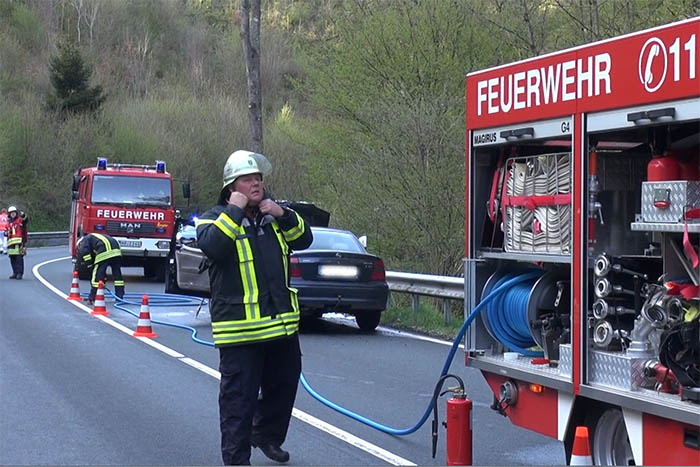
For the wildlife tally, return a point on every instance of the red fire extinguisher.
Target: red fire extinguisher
(458, 423)
(459, 429)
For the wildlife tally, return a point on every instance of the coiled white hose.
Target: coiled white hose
(546, 229)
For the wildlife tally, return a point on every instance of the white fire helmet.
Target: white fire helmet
(243, 163)
(11, 209)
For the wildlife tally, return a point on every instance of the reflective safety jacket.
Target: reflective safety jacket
(251, 300)
(17, 236)
(95, 248)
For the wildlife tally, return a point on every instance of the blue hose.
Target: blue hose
(161, 299)
(507, 316)
(496, 293)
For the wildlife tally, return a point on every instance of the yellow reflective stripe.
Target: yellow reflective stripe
(234, 338)
(293, 300)
(227, 226)
(13, 241)
(104, 256)
(87, 257)
(118, 283)
(296, 231)
(199, 222)
(104, 240)
(93, 280)
(245, 325)
(285, 249)
(248, 278)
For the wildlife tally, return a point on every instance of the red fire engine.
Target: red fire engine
(582, 182)
(132, 203)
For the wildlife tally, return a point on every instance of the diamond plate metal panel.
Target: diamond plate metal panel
(616, 370)
(682, 195)
(565, 359)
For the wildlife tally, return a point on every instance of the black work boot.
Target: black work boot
(273, 452)
(18, 276)
(13, 276)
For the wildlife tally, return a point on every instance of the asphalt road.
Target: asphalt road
(78, 389)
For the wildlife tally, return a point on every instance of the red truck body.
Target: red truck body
(132, 203)
(582, 166)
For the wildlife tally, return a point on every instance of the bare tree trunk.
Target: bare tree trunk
(78, 5)
(250, 35)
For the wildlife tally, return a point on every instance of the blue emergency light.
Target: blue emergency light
(160, 167)
(101, 163)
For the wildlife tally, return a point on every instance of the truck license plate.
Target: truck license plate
(130, 243)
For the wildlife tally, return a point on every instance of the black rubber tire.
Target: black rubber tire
(368, 320)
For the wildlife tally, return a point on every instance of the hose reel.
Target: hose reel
(535, 313)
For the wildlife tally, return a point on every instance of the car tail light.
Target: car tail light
(294, 268)
(378, 273)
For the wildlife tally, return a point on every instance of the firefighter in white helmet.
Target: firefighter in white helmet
(247, 238)
(17, 241)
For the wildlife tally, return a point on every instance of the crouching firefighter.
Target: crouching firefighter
(247, 238)
(98, 251)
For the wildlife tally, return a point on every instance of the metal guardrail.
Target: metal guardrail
(36, 239)
(445, 287)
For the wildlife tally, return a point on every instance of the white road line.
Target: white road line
(342, 435)
(353, 440)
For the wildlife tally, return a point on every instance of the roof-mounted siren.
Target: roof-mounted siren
(101, 163)
(160, 167)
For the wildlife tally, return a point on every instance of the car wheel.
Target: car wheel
(368, 320)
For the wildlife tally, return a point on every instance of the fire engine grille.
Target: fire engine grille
(125, 227)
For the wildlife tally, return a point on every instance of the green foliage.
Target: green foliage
(363, 101)
(70, 78)
(428, 319)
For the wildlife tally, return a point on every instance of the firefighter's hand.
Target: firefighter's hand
(238, 199)
(267, 206)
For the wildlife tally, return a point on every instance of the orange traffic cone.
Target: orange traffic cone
(581, 454)
(143, 328)
(74, 288)
(100, 308)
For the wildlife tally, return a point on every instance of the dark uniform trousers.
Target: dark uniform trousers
(100, 274)
(259, 384)
(17, 263)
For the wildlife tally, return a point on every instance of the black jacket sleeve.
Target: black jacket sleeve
(217, 230)
(296, 232)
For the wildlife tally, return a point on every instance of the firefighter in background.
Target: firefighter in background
(17, 241)
(98, 251)
(247, 238)
(4, 224)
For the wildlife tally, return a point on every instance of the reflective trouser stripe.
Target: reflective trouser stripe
(14, 241)
(295, 232)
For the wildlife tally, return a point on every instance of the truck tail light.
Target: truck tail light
(294, 268)
(378, 272)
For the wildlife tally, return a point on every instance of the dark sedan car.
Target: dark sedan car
(336, 273)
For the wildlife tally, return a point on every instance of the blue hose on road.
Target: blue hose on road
(499, 290)
(496, 292)
(158, 300)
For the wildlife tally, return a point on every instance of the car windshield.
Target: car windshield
(336, 241)
(134, 191)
